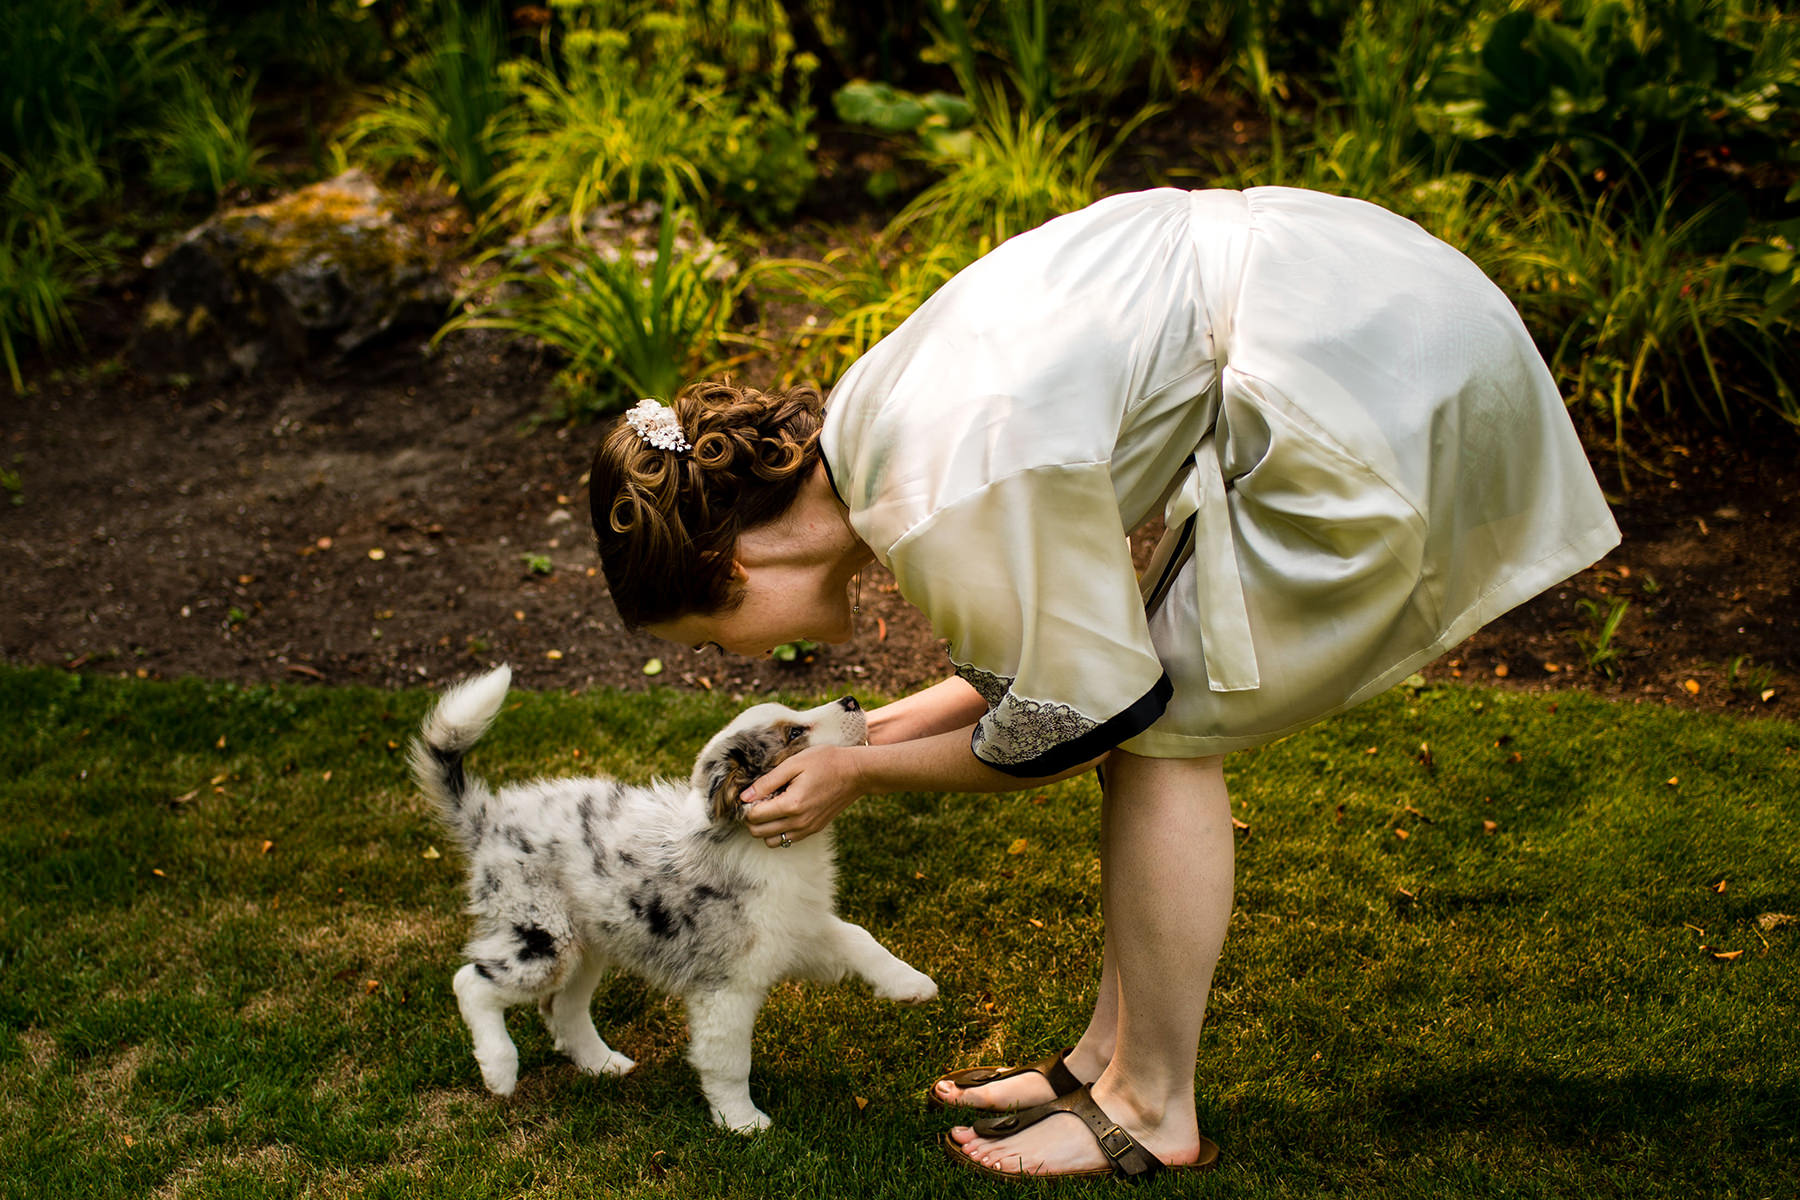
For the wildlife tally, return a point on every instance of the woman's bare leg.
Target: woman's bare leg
(1167, 881)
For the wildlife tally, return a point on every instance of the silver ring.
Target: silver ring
(786, 841)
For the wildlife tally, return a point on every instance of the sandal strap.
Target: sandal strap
(1054, 1068)
(1128, 1156)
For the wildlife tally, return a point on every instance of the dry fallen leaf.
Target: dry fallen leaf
(1768, 695)
(324, 543)
(1490, 826)
(1034, 922)
(1402, 834)
(376, 553)
(1692, 686)
(880, 629)
(158, 872)
(553, 655)
(371, 986)
(1726, 955)
(267, 845)
(326, 777)
(1017, 847)
(431, 852)
(1719, 888)
(1501, 671)
(1673, 781)
(1241, 825)
(862, 1102)
(653, 667)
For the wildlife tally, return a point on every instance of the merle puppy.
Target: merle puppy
(570, 877)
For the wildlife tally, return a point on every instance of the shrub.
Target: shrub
(863, 290)
(38, 262)
(1015, 171)
(1635, 316)
(202, 143)
(450, 109)
(626, 324)
(609, 122)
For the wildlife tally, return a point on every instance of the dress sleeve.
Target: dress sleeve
(1030, 580)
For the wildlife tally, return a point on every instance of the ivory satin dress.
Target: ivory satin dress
(1359, 455)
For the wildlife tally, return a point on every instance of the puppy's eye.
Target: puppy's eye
(795, 733)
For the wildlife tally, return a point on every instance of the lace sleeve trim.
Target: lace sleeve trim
(1034, 738)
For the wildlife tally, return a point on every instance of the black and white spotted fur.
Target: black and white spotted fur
(571, 877)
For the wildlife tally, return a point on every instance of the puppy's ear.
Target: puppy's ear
(729, 775)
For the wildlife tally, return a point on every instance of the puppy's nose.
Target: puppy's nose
(849, 704)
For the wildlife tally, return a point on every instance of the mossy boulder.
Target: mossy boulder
(306, 279)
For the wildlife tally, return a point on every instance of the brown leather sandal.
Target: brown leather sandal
(1054, 1068)
(1129, 1158)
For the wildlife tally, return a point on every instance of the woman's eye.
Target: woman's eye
(795, 732)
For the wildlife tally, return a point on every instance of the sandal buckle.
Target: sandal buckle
(1115, 1142)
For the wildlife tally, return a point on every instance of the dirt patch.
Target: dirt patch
(409, 519)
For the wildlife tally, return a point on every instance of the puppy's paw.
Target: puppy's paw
(609, 1062)
(500, 1072)
(747, 1120)
(913, 987)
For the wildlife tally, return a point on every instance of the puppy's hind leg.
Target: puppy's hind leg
(719, 1026)
(868, 958)
(569, 1016)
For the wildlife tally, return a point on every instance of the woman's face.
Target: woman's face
(780, 604)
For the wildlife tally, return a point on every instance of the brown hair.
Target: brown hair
(667, 521)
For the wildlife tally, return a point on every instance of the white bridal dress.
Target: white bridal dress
(1359, 454)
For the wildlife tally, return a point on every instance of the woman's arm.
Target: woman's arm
(802, 795)
(946, 705)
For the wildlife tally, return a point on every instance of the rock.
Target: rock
(307, 278)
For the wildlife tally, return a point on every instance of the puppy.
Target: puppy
(570, 877)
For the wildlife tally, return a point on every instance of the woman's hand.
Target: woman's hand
(800, 796)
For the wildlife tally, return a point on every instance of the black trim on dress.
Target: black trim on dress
(1142, 714)
(832, 479)
(1158, 591)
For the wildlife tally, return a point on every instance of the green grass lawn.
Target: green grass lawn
(227, 935)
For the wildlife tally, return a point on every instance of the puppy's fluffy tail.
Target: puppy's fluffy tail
(454, 725)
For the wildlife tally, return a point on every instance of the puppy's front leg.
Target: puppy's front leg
(891, 978)
(719, 1027)
(484, 1011)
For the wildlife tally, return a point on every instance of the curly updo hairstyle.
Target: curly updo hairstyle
(667, 521)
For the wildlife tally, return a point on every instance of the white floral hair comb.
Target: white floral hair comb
(655, 422)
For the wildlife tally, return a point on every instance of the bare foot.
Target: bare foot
(1061, 1144)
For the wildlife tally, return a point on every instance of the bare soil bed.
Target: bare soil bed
(411, 517)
